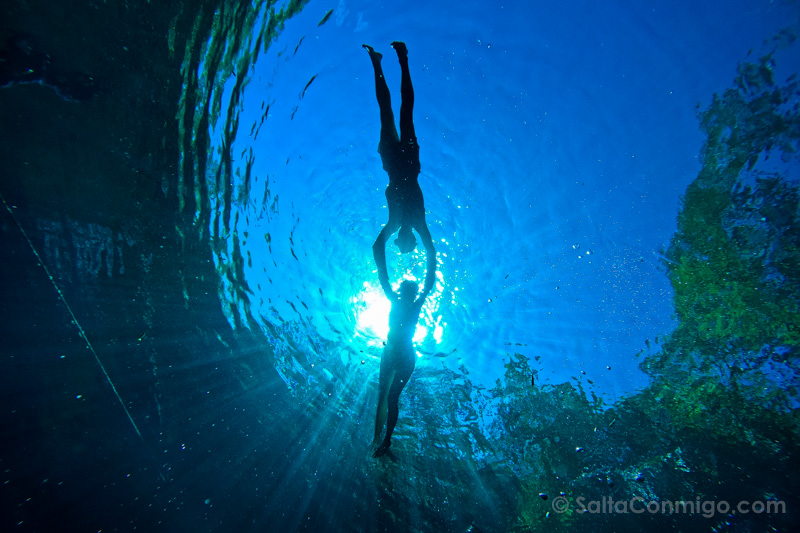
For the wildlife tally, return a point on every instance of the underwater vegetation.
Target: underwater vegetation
(731, 364)
(719, 420)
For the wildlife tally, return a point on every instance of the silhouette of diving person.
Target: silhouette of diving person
(399, 357)
(400, 157)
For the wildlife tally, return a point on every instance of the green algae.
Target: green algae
(733, 263)
(719, 419)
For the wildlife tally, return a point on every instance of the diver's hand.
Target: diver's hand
(382, 449)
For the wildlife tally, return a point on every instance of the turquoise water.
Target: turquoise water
(554, 151)
(192, 312)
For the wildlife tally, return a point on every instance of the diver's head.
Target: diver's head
(405, 240)
(408, 290)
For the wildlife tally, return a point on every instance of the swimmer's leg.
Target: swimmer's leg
(407, 133)
(401, 377)
(388, 130)
(385, 381)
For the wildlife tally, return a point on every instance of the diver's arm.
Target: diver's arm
(430, 277)
(427, 241)
(379, 253)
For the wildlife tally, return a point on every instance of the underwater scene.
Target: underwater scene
(400, 266)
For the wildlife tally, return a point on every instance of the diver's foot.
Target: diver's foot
(400, 48)
(373, 55)
(382, 449)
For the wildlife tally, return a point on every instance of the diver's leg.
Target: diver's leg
(407, 133)
(401, 378)
(388, 130)
(394, 406)
(384, 382)
(394, 413)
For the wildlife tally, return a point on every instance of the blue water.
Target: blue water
(556, 139)
(186, 353)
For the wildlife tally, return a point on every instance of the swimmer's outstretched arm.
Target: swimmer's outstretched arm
(427, 241)
(379, 253)
(430, 277)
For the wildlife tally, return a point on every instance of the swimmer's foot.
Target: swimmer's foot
(382, 449)
(373, 55)
(400, 48)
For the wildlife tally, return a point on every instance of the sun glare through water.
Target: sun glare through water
(372, 315)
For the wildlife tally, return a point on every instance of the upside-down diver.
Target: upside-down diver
(400, 158)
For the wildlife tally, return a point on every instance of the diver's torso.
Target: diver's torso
(401, 160)
(403, 320)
